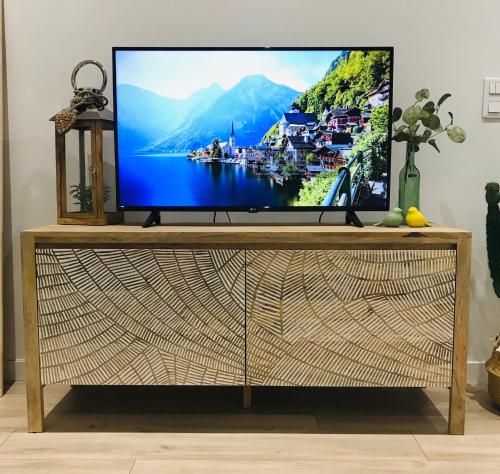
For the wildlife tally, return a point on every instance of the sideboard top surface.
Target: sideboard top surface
(244, 235)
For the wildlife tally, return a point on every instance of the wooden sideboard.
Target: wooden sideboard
(329, 306)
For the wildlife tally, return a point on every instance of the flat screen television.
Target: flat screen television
(253, 128)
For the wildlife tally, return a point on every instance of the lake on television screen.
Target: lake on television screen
(253, 128)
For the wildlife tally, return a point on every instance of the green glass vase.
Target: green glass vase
(409, 182)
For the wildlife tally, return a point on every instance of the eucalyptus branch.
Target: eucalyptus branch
(442, 131)
(427, 115)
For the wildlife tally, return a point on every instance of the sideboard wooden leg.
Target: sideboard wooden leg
(247, 396)
(456, 416)
(34, 389)
(35, 407)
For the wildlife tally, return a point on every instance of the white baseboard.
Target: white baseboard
(476, 373)
(14, 370)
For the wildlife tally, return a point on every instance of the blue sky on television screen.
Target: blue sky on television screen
(176, 74)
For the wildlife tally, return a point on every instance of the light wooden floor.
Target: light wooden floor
(170, 430)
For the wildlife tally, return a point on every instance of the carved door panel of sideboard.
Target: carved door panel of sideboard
(141, 316)
(350, 318)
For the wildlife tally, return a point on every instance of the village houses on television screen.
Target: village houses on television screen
(303, 146)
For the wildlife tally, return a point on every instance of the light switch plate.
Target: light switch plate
(491, 98)
(493, 107)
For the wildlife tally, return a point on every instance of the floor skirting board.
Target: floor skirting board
(14, 370)
(476, 373)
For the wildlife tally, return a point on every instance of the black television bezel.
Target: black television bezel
(120, 207)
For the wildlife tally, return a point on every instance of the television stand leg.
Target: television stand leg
(352, 218)
(153, 219)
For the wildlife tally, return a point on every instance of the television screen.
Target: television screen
(252, 128)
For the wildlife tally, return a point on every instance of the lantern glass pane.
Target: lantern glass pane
(108, 154)
(78, 171)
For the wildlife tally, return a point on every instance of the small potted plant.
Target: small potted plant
(493, 248)
(420, 124)
(82, 195)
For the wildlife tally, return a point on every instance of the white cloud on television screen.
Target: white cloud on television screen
(177, 74)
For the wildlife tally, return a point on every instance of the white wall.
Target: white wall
(445, 45)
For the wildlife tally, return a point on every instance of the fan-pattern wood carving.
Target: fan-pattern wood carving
(141, 316)
(313, 318)
(350, 318)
